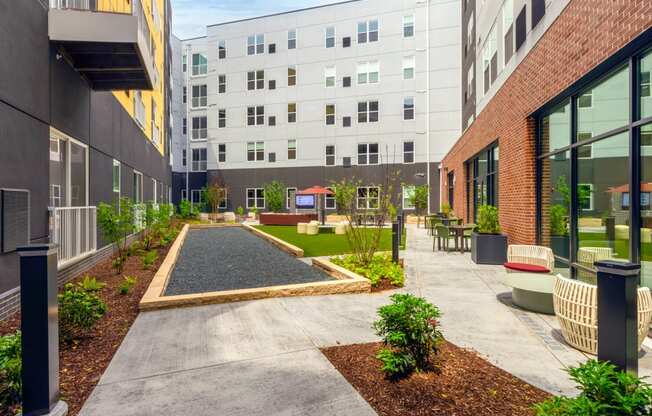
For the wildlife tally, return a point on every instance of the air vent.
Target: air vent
(346, 162)
(14, 219)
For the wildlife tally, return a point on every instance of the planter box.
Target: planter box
(489, 248)
(269, 218)
(560, 245)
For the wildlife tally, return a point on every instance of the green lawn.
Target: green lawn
(326, 243)
(621, 247)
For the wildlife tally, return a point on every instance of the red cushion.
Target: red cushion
(523, 267)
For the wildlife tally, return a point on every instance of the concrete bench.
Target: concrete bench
(532, 291)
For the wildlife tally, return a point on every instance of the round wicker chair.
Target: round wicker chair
(576, 307)
(301, 228)
(536, 255)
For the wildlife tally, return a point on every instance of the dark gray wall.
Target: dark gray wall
(196, 180)
(468, 58)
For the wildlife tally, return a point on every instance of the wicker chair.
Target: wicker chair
(535, 255)
(576, 307)
(587, 256)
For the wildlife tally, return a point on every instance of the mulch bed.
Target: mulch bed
(463, 384)
(384, 285)
(82, 363)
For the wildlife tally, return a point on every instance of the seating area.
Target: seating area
(445, 230)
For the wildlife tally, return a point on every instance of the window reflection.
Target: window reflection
(605, 106)
(645, 86)
(555, 129)
(646, 210)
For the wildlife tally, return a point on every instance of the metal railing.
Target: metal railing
(139, 217)
(140, 110)
(74, 230)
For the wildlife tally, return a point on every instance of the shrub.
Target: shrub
(381, 267)
(79, 311)
(10, 369)
(240, 212)
(126, 285)
(419, 199)
(603, 391)
(558, 222)
(117, 223)
(275, 196)
(408, 327)
(187, 210)
(488, 220)
(90, 284)
(149, 258)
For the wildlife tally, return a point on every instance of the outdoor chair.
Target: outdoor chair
(341, 227)
(301, 228)
(442, 237)
(312, 228)
(431, 222)
(576, 307)
(587, 256)
(527, 258)
(467, 237)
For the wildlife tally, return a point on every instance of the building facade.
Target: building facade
(358, 89)
(84, 121)
(560, 138)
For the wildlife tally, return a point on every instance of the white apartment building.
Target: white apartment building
(354, 89)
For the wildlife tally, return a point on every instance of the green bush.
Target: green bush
(240, 211)
(117, 223)
(126, 285)
(488, 220)
(10, 369)
(381, 267)
(149, 258)
(91, 284)
(604, 391)
(275, 196)
(558, 220)
(79, 311)
(409, 327)
(186, 210)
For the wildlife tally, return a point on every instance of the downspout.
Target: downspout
(428, 100)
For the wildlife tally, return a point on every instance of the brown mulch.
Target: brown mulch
(82, 363)
(383, 285)
(463, 384)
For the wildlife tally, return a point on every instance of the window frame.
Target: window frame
(256, 198)
(412, 152)
(327, 156)
(258, 151)
(292, 148)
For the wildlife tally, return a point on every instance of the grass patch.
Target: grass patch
(326, 243)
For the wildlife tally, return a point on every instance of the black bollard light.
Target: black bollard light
(618, 314)
(399, 218)
(395, 242)
(40, 331)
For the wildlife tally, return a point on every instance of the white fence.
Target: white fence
(139, 216)
(74, 230)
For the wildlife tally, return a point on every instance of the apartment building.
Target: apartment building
(558, 128)
(83, 91)
(358, 89)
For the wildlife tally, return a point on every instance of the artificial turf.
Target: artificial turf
(326, 243)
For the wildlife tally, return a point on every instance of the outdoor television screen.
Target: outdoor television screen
(305, 202)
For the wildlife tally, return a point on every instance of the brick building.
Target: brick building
(560, 126)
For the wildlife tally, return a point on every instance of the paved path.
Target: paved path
(262, 357)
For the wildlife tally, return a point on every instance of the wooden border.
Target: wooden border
(282, 244)
(345, 282)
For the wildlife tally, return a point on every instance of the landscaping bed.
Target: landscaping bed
(381, 272)
(82, 362)
(463, 384)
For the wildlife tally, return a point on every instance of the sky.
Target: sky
(190, 17)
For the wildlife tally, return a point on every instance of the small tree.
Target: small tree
(215, 195)
(116, 226)
(419, 199)
(151, 217)
(488, 222)
(275, 196)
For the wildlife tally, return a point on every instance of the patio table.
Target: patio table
(458, 231)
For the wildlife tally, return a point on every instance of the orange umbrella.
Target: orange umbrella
(316, 190)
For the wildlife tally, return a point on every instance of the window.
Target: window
(469, 82)
(221, 152)
(368, 72)
(368, 31)
(271, 48)
(221, 84)
(408, 67)
(346, 121)
(199, 128)
(330, 200)
(196, 197)
(292, 76)
(538, 10)
(271, 157)
(198, 160)
(289, 197)
(255, 198)
(68, 171)
(508, 29)
(292, 149)
(256, 80)
(490, 59)
(330, 155)
(272, 84)
(199, 64)
(469, 36)
(330, 73)
(408, 26)
(271, 121)
(484, 168)
(368, 197)
(368, 112)
(138, 187)
(256, 116)
(255, 44)
(292, 39)
(185, 95)
(185, 126)
(408, 108)
(368, 154)
(586, 202)
(330, 37)
(585, 100)
(408, 196)
(184, 157)
(184, 63)
(116, 179)
(255, 151)
(408, 152)
(221, 49)
(330, 114)
(184, 195)
(199, 96)
(221, 118)
(346, 82)
(346, 42)
(292, 112)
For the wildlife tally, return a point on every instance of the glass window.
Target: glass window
(116, 177)
(221, 47)
(330, 200)
(256, 198)
(555, 129)
(292, 76)
(330, 73)
(199, 160)
(221, 118)
(408, 152)
(330, 37)
(221, 152)
(199, 96)
(199, 64)
(292, 149)
(255, 151)
(644, 86)
(605, 106)
(368, 197)
(292, 112)
(199, 128)
(408, 108)
(408, 195)
(408, 26)
(646, 210)
(330, 155)
(368, 154)
(330, 114)
(292, 39)
(58, 169)
(221, 81)
(290, 194)
(78, 175)
(408, 67)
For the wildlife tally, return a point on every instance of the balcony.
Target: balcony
(110, 46)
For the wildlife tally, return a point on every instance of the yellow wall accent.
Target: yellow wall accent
(157, 96)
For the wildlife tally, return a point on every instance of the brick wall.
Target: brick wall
(586, 33)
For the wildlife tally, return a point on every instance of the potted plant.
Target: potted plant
(488, 246)
(559, 237)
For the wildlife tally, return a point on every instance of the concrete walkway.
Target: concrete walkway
(262, 357)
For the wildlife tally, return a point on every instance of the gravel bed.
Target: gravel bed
(218, 259)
